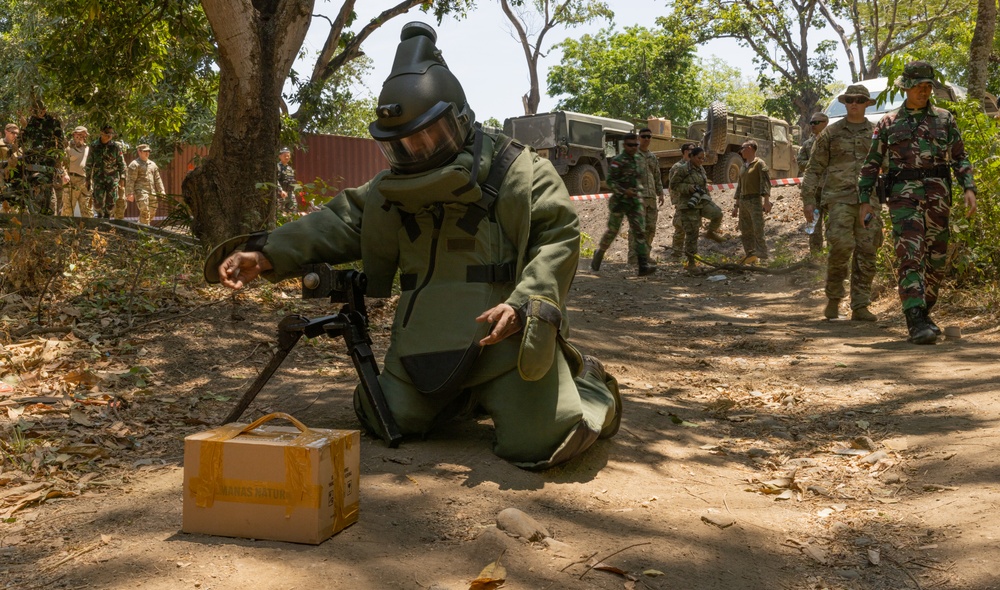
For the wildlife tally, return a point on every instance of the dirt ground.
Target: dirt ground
(761, 447)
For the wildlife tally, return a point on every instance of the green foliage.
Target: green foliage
(718, 81)
(335, 105)
(975, 242)
(633, 75)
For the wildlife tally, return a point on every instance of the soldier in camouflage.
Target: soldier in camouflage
(143, 185)
(677, 242)
(923, 146)
(121, 205)
(42, 143)
(817, 123)
(624, 178)
(751, 201)
(652, 194)
(690, 185)
(105, 171)
(287, 185)
(10, 155)
(834, 166)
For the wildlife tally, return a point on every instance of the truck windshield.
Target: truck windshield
(537, 132)
(586, 134)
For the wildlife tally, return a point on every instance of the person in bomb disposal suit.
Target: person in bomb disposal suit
(487, 243)
(923, 145)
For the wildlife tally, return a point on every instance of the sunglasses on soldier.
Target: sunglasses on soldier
(631, 144)
(854, 100)
(816, 122)
(646, 136)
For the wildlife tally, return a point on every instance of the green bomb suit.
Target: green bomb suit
(546, 409)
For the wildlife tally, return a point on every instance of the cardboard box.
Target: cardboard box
(659, 126)
(271, 482)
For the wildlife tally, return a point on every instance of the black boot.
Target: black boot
(645, 268)
(595, 264)
(916, 324)
(927, 316)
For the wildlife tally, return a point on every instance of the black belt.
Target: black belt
(939, 171)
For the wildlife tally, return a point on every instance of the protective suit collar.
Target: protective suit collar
(457, 182)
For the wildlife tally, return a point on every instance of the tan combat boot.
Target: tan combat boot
(863, 314)
(832, 309)
(715, 236)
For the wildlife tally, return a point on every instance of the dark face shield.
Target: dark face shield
(429, 141)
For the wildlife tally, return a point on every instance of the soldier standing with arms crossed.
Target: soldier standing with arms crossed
(105, 171)
(817, 123)
(624, 174)
(75, 191)
(652, 194)
(923, 145)
(751, 201)
(834, 166)
(143, 185)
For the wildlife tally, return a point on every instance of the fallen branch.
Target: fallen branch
(600, 561)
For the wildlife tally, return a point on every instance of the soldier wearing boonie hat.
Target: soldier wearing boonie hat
(75, 191)
(924, 147)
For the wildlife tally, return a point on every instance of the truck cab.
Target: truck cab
(578, 145)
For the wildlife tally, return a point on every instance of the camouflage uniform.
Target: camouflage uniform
(42, 142)
(626, 172)
(833, 170)
(677, 243)
(121, 205)
(105, 169)
(652, 184)
(10, 156)
(286, 180)
(142, 179)
(920, 145)
(692, 180)
(755, 182)
(803, 158)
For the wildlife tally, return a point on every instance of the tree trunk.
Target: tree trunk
(258, 41)
(981, 47)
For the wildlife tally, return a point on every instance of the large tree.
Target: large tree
(633, 75)
(981, 48)
(782, 39)
(533, 19)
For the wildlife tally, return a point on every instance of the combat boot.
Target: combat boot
(927, 316)
(595, 263)
(832, 309)
(690, 264)
(645, 268)
(715, 236)
(916, 324)
(863, 314)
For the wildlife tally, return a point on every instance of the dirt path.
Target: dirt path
(743, 406)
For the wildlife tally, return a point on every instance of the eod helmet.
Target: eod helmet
(423, 120)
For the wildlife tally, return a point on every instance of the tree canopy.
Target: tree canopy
(634, 74)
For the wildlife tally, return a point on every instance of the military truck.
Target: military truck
(579, 146)
(722, 134)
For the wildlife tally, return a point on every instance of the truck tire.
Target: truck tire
(583, 179)
(716, 131)
(727, 169)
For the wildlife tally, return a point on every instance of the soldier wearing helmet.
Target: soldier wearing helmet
(486, 243)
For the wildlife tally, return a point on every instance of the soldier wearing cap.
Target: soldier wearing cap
(677, 242)
(143, 184)
(105, 171)
(75, 191)
(923, 147)
(286, 181)
(834, 166)
(817, 123)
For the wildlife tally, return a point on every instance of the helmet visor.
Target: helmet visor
(430, 141)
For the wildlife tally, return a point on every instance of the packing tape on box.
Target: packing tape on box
(210, 486)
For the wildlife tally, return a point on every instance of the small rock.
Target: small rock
(862, 542)
(755, 452)
(491, 542)
(863, 442)
(892, 478)
(519, 524)
(720, 520)
(801, 462)
(850, 574)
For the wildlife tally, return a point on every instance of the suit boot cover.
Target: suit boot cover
(645, 268)
(595, 264)
(918, 327)
(832, 309)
